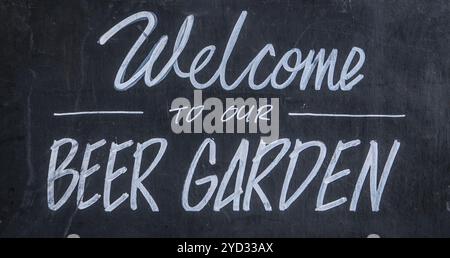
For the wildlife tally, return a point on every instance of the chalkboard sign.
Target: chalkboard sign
(225, 118)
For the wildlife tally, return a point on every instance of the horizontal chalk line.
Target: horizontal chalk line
(99, 113)
(349, 115)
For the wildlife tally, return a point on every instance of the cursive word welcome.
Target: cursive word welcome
(349, 76)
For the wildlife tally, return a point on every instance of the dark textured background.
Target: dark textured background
(50, 62)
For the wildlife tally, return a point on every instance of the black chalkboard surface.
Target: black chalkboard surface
(223, 118)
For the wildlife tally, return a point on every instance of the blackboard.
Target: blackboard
(59, 81)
